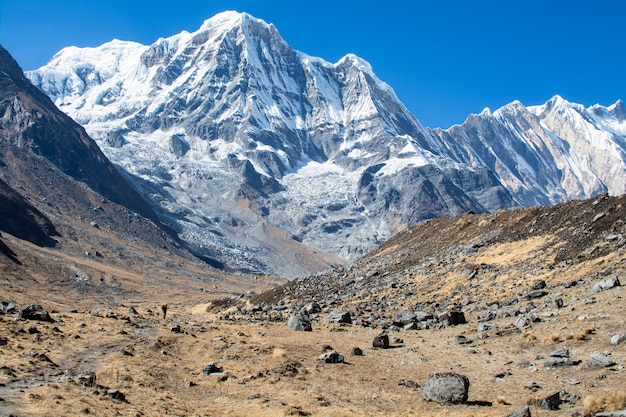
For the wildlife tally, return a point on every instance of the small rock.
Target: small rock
(212, 368)
(539, 285)
(408, 383)
(551, 402)
(338, 317)
(618, 338)
(116, 395)
(520, 412)
(446, 389)
(357, 351)
(381, 341)
(559, 357)
(459, 339)
(87, 380)
(7, 307)
(331, 357)
(452, 318)
(175, 328)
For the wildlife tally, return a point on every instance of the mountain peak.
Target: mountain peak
(229, 19)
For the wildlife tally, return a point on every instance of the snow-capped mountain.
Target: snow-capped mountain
(268, 159)
(546, 154)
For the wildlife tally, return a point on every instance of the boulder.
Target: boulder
(331, 357)
(605, 284)
(300, 322)
(312, 308)
(7, 307)
(338, 317)
(446, 388)
(520, 412)
(35, 312)
(212, 368)
(551, 402)
(559, 357)
(452, 318)
(598, 360)
(381, 341)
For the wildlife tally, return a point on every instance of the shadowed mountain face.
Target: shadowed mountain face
(32, 123)
(22, 220)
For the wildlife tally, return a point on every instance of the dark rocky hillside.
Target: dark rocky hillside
(31, 122)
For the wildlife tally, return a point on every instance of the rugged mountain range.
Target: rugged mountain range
(267, 159)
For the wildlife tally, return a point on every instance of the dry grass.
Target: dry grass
(610, 401)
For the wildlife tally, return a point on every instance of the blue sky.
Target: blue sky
(445, 59)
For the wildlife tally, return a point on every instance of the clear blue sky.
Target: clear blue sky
(445, 59)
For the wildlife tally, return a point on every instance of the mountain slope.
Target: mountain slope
(228, 133)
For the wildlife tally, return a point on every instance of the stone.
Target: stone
(212, 368)
(605, 284)
(300, 323)
(87, 380)
(381, 341)
(551, 402)
(536, 294)
(618, 338)
(116, 394)
(598, 360)
(446, 389)
(35, 312)
(559, 357)
(617, 413)
(338, 317)
(7, 307)
(331, 357)
(312, 308)
(459, 339)
(175, 328)
(452, 318)
(520, 412)
(356, 351)
(539, 285)
(522, 322)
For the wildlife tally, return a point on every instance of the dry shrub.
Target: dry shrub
(279, 353)
(581, 336)
(554, 338)
(610, 401)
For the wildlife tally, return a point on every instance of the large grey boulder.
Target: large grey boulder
(300, 322)
(446, 388)
(605, 284)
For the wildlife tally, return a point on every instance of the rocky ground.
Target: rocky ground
(517, 312)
